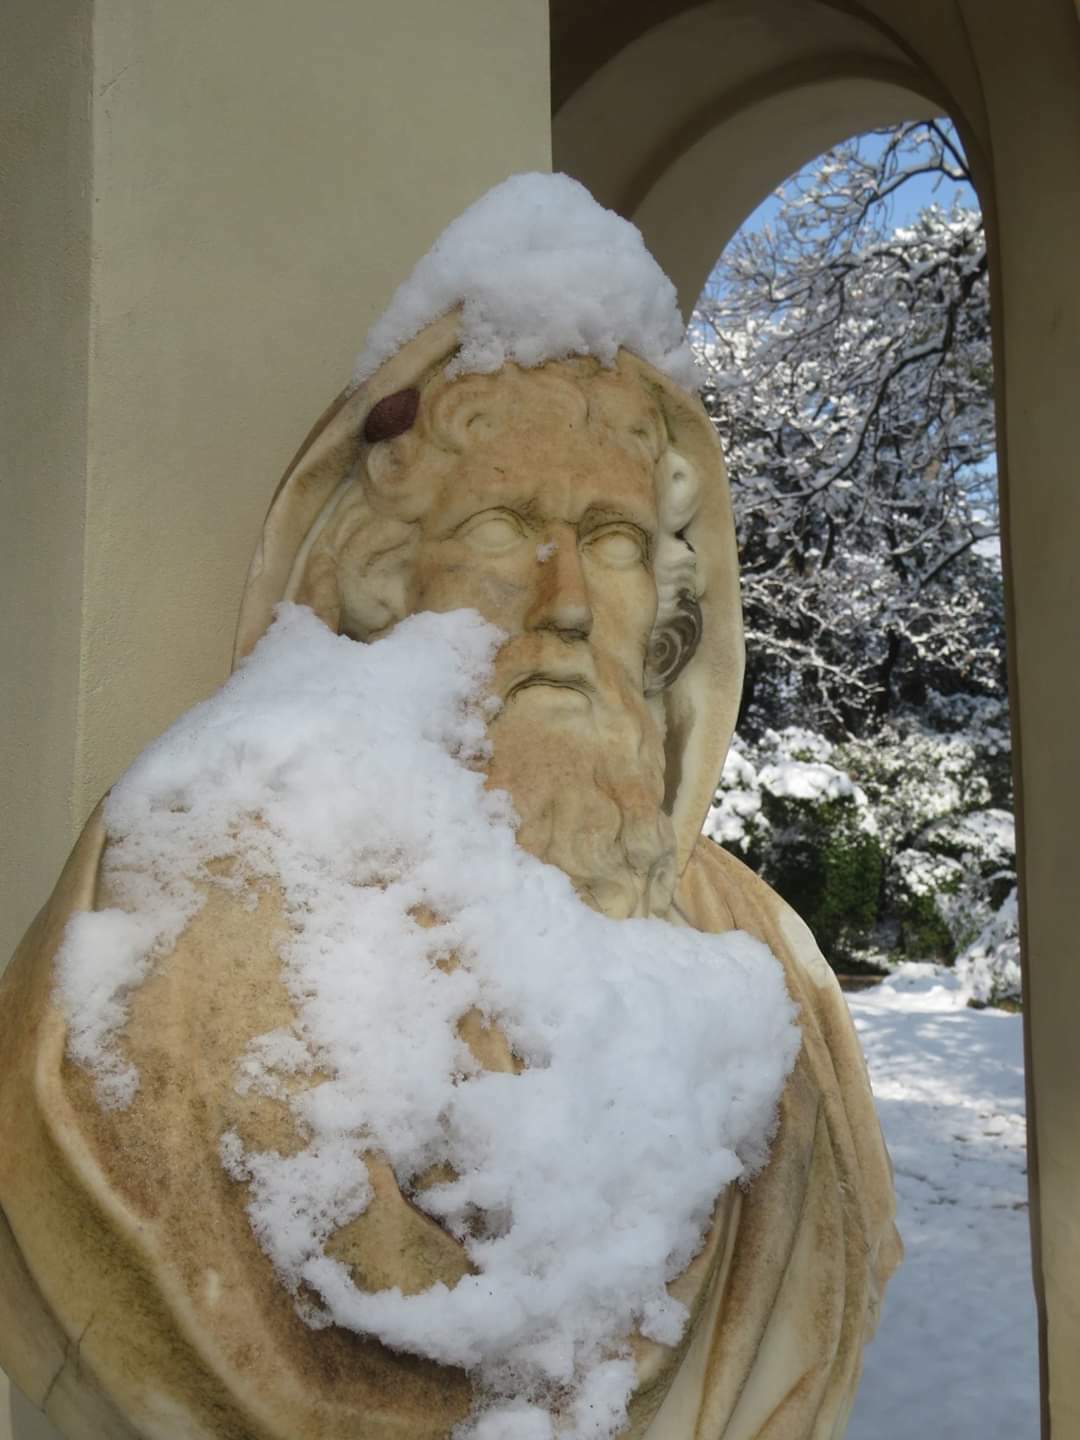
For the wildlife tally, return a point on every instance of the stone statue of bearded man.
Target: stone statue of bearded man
(555, 503)
(580, 505)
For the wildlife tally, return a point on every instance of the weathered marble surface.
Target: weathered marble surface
(572, 506)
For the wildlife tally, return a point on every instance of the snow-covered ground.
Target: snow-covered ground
(955, 1357)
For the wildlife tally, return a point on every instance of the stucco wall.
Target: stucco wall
(44, 317)
(205, 207)
(210, 204)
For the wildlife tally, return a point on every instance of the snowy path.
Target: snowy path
(955, 1355)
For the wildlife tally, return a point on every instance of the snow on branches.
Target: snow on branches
(850, 378)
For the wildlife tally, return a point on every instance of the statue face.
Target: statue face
(546, 524)
(531, 497)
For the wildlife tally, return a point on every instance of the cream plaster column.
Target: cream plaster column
(45, 75)
(1031, 78)
(205, 207)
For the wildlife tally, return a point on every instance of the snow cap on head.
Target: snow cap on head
(540, 272)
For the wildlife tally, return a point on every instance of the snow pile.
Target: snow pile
(349, 776)
(541, 272)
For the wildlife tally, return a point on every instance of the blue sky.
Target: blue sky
(904, 204)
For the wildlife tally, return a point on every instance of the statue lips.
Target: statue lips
(546, 666)
(572, 681)
(567, 695)
(560, 676)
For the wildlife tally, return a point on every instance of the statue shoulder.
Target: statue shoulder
(26, 983)
(718, 892)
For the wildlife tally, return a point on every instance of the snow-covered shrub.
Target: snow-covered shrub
(849, 375)
(891, 845)
(914, 775)
(990, 966)
(807, 828)
(949, 847)
(981, 848)
(735, 819)
(923, 890)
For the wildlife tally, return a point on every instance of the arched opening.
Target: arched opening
(684, 118)
(845, 339)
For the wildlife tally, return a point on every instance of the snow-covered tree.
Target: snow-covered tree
(850, 379)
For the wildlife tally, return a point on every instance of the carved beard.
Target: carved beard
(579, 751)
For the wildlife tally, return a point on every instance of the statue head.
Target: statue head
(553, 502)
(582, 508)
(550, 500)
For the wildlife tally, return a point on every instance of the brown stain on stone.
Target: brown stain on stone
(392, 415)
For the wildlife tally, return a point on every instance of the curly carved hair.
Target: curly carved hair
(355, 567)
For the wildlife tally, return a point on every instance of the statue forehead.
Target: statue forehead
(556, 441)
(575, 396)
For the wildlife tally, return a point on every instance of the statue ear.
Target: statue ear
(673, 644)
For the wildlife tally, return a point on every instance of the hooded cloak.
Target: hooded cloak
(135, 1300)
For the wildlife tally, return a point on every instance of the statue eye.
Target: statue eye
(492, 534)
(618, 546)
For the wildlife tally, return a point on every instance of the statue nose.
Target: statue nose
(561, 597)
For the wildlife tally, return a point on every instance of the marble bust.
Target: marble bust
(580, 505)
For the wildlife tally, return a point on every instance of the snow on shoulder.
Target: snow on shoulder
(350, 777)
(541, 272)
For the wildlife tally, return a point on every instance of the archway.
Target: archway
(652, 104)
